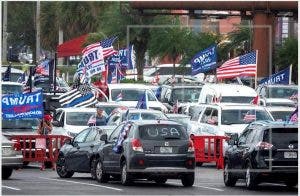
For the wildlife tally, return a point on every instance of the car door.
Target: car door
(110, 158)
(73, 158)
(238, 152)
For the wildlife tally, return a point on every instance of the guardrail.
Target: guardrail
(209, 149)
(40, 148)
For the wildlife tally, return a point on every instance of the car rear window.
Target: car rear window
(282, 137)
(162, 132)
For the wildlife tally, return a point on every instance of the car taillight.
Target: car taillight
(264, 146)
(137, 145)
(17, 146)
(191, 146)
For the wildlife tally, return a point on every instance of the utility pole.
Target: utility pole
(38, 29)
(4, 35)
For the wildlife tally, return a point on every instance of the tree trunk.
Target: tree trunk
(140, 59)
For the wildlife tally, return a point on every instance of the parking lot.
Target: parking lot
(209, 181)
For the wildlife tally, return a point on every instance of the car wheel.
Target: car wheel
(188, 180)
(6, 173)
(125, 177)
(100, 175)
(161, 180)
(250, 178)
(61, 168)
(229, 179)
(93, 168)
(291, 184)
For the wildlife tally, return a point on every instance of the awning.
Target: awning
(72, 47)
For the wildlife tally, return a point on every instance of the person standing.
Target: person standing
(97, 120)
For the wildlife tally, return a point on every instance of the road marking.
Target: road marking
(83, 183)
(205, 187)
(8, 187)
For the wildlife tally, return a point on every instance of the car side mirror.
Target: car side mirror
(68, 141)
(233, 139)
(103, 137)
(57, 123)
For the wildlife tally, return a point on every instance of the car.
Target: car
(226, 93)
(180, 118)
(266, 151)
(184, 94)
(61, 85)
(11, 88)
(77, 154)
(225, 118)
(181, 79)
(154, 150)
(122, 114)
(12, 157)
(108, 107)
(281, 113)
(129, 95)
(277, 94)
(70, 121)
(15, 74)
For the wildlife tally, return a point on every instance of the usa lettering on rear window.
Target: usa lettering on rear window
(162, 132)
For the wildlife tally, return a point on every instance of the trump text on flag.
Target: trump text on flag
(204, 61)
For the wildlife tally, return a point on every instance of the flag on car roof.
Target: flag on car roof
(83, 96)
(143, 102)
(250, 116)
(7, 73)
(294, 116)
(255, 101)
(244, 65)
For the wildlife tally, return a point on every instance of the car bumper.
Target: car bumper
(163, 170)
(13, 162)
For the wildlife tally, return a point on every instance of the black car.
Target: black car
(266, 151)
(183, 93)
(153, 150)
(77, 155)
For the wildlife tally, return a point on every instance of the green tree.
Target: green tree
(286, 55)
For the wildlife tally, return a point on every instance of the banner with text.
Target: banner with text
(204, 60)
(24, 105)
(282, 77)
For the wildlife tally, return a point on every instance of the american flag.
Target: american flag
(92, 121)
(119, 97)
(294, 116)
(250, 116)
(108, 49)
(43, 68)
(175, 107)
(244, 65)
(114, 76)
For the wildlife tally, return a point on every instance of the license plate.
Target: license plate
(6, 151)
(165, 149)
(290, 155)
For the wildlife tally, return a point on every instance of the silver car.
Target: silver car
(12, 157)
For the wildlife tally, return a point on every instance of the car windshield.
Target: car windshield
(186, 94)
(26, 124)
(130, 94)
(11, 89)
(78, 118)
(162, 132)
(243, 116)
(62, 83)
(236, 99)
(109, 109)
(182, 120)
(145, 116)
(281, 115)
(282, 92)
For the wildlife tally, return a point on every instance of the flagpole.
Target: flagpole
(290, 76)
(255, 80)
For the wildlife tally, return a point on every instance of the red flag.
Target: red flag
(255, 101)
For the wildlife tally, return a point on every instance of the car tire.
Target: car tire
(61, 168)
(229, 179)
(6, 173)
(291, 184)
(93, 168)
(160, 180)
(250, 178)
(188, 180)
(125, 176)
(101, 176)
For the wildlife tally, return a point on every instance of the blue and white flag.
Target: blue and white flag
(23, 105)
(204, 60)
(125, 58)
(143, 102)
(282, 77)
(122, 136)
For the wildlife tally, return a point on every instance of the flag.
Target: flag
(119, 97)
(282, 77)
(120, 74)
(108, 49)
(43, 68)
(158, 92)
(176, 107)
(255, 101)
(21, 79)
(122, 136)
(294, 116)
(83, 96)
(92, 121)
(113, 77)
(244, 65)
(250, 116)
(7, 73)
(204, 60)
(143, 102)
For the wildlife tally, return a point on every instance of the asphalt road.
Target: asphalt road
(209, 181)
